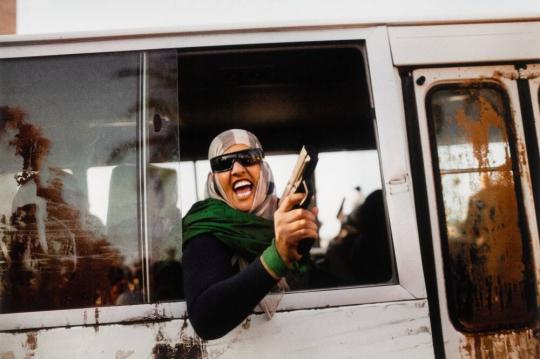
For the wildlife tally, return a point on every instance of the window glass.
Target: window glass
(68, 172)
(163, 178)
(290, 97)
(487, 255)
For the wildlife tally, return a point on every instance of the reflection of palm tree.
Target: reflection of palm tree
(163, 85)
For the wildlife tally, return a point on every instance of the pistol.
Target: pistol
(303, 181)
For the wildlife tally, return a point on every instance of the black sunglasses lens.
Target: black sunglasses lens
(246, 158)
(221, 164)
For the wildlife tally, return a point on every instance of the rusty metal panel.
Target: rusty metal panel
(516, 344)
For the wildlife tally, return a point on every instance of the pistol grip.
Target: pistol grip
(304, 246)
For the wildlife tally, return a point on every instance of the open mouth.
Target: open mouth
(243, 189)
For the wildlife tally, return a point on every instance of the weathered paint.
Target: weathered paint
(388, 330)
(516, 344)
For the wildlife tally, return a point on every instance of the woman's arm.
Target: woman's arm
(219, 298)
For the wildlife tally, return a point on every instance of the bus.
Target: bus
(428, 183)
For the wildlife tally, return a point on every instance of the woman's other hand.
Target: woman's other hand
(293, 225)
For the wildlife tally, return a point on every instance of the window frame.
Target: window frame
(392, 147)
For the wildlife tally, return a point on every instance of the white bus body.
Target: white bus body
(406, 60)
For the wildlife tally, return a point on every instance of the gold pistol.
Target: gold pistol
(303, 181)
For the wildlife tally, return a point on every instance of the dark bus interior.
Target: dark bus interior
(291, 96)
(288, 97)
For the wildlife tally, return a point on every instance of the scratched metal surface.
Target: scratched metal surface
(382, 331)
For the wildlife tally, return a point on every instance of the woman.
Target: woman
(240, 221)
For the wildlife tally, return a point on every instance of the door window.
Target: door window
(485, 241)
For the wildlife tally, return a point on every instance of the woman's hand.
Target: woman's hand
(292, 225)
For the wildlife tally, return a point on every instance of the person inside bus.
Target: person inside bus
(360, 254)
(241, 221)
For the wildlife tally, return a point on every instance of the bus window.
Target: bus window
(73, 232)
(94, 187)
(289, 97)
(488, 266)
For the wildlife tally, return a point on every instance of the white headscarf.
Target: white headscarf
(265, 201)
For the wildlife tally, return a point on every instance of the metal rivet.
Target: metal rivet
(421, 80)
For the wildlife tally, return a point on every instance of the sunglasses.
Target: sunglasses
(246, 158)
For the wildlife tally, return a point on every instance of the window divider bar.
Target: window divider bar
(142, 159)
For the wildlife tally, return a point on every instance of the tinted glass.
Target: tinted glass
(487, 263)
(68, 233)
(89, 191)
(163, 216)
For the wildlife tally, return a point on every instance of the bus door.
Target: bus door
(477, 153)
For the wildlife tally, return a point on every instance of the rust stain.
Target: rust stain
(511, 75)
(188, 348)
(7, 355)
(516, 344)
(30, 345)
(522, 153)
(247, 323)
(31, 341)
(96, 318)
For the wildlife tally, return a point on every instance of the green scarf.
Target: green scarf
(245, 233)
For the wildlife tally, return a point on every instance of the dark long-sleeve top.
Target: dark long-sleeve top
(218, 296)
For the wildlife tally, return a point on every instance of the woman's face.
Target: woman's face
(240, 182)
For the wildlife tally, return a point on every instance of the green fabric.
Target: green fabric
(246, 234)
(274, 261)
